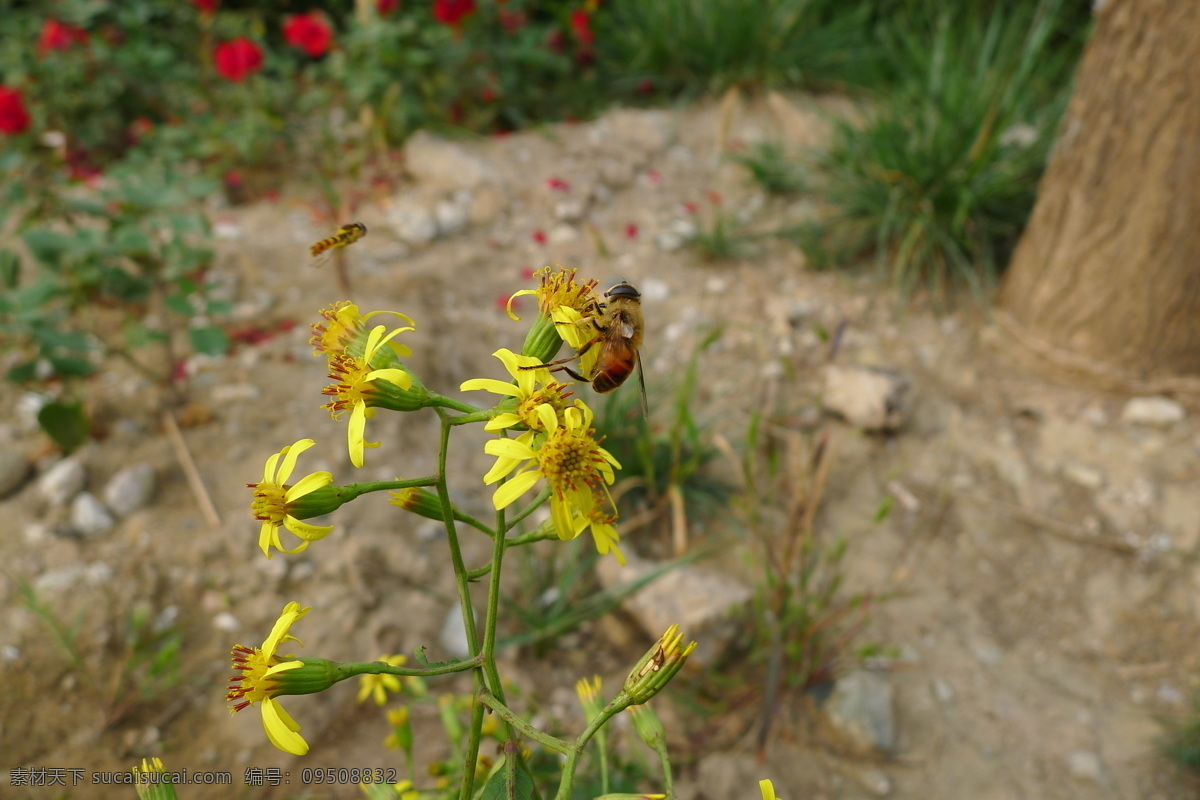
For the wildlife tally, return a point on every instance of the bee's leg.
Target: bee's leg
(573, 374)
(578, 353)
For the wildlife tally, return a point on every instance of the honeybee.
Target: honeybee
(345, 236)
(619, 324)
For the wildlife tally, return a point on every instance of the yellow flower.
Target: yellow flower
(356, 388)
(768, 790)
(152, 782)
(274, 500)
(604, 533)
(568, 457)
(377, 686)
(557, 287)
(529, 398)
(404, 789)
(258, 682)
(343, 326)
(589, 696)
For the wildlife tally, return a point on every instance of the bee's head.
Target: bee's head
(623, 289)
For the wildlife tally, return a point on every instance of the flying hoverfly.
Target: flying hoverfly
(345, 236)
(619, 325)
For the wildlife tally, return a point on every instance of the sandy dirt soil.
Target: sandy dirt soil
(1039, 557)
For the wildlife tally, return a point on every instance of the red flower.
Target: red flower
(654, 176)
(385, 7)
(14, 118)
(581, 24)
(59, 36)
(237, 59)
(690, 207)
(512, 21)
(452, 12)
(631, 231)
(207, 6)
(539, 236)
(557, 185)
(488, 95)
(527, 273)
(233, 179)
(308, 32)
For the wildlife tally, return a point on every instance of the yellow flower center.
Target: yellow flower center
(558, 288)
(351, 387)
(341, 326)
(252, 685)
(551, 394)
(570, 460)
(269, 503)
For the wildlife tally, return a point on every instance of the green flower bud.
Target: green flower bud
(648, 726)
(316, 675)
(319, 501)
(543, 340)
(418, 501)
(386, 394)
(655, 669)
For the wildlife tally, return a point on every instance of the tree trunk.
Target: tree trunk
(1105, 282)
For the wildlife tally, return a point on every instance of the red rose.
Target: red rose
(452, 12)
(308, 32)
(385, 7)
(237, 59)
(59, 36)
(207, 6)
(14, 118)
(581, 24)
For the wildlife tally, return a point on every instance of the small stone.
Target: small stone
(14, 469)
(861, 709)
(876, 782)
(1083, 475)
(130, 489)
(570, 210)
(870, 398)
(707, 605)
(89, 516)
(10, 654)
(451, 217)
(63, 481)
(943, 691)
(654, 290)
(226, 622)
(226, 393)
(412, 223)
(73, 577)
(1152, 412)
(563, 234)
(669, 241)
(453, 636)
(1085, 765)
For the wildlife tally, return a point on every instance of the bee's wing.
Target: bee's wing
(642, 387)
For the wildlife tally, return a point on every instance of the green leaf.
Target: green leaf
(497, 788)
(211, 341)
(78, 367)
(180, 304)
(10, 269)
(66, 424)
(48, 246)
(23, 372)
(130, 240)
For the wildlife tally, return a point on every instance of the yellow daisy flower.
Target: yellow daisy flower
(568, 457)
(604, 533)
(274, 499)
(525, 391)
(343, 325)
(356, 389)
(557, 287)
(377, 686)
(257, 682)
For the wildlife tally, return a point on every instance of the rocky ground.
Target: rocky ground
(1038, 563)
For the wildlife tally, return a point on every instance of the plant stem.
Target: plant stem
(521, 726)
(350, 669)
(661, 749)
(464, 598)
(618, 704)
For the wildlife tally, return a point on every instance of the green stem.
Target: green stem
(464, 598)
(521, 726)
(350, 669)
(618, 704)
(441, 401)
(467, 519)
(661, 749)
(534, 505)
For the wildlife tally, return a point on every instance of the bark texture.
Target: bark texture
(1106, 278)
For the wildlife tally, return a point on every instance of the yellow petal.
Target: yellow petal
(514, 488)
(269, 472)
(281, 729)
(306, 531)
(291, 612)
(355, 431)
(290, 454)
(391, 375)
(768, 790)
(560, 512)
(508, 448)
(501, 421)
(502, 467)
(511, 315)
(308, 484)
(490, 385)
(547, 417)
(265, 538)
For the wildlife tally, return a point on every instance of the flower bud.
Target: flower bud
(418, 501)
(654, 670)
(153, 782)
(589, 697)
(318, 502)
(543, 340)
(312, 676)
(385, 394)
(402, 736)
(648, 726)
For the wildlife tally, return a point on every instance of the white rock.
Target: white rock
(63, 481)
(707, 605)
(653, 290)
(236, 392)
(451, 217)
(1153, 412)
(861, 708)
(869, 398)
(570, 210)
(412, 223)
(669, 241)
(130, 489)
(562, 234)
(73, 577)
(14, 469)
(1085, 765)
(1083, 475)
(89, 516)
(226, 622)
(453, 636)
